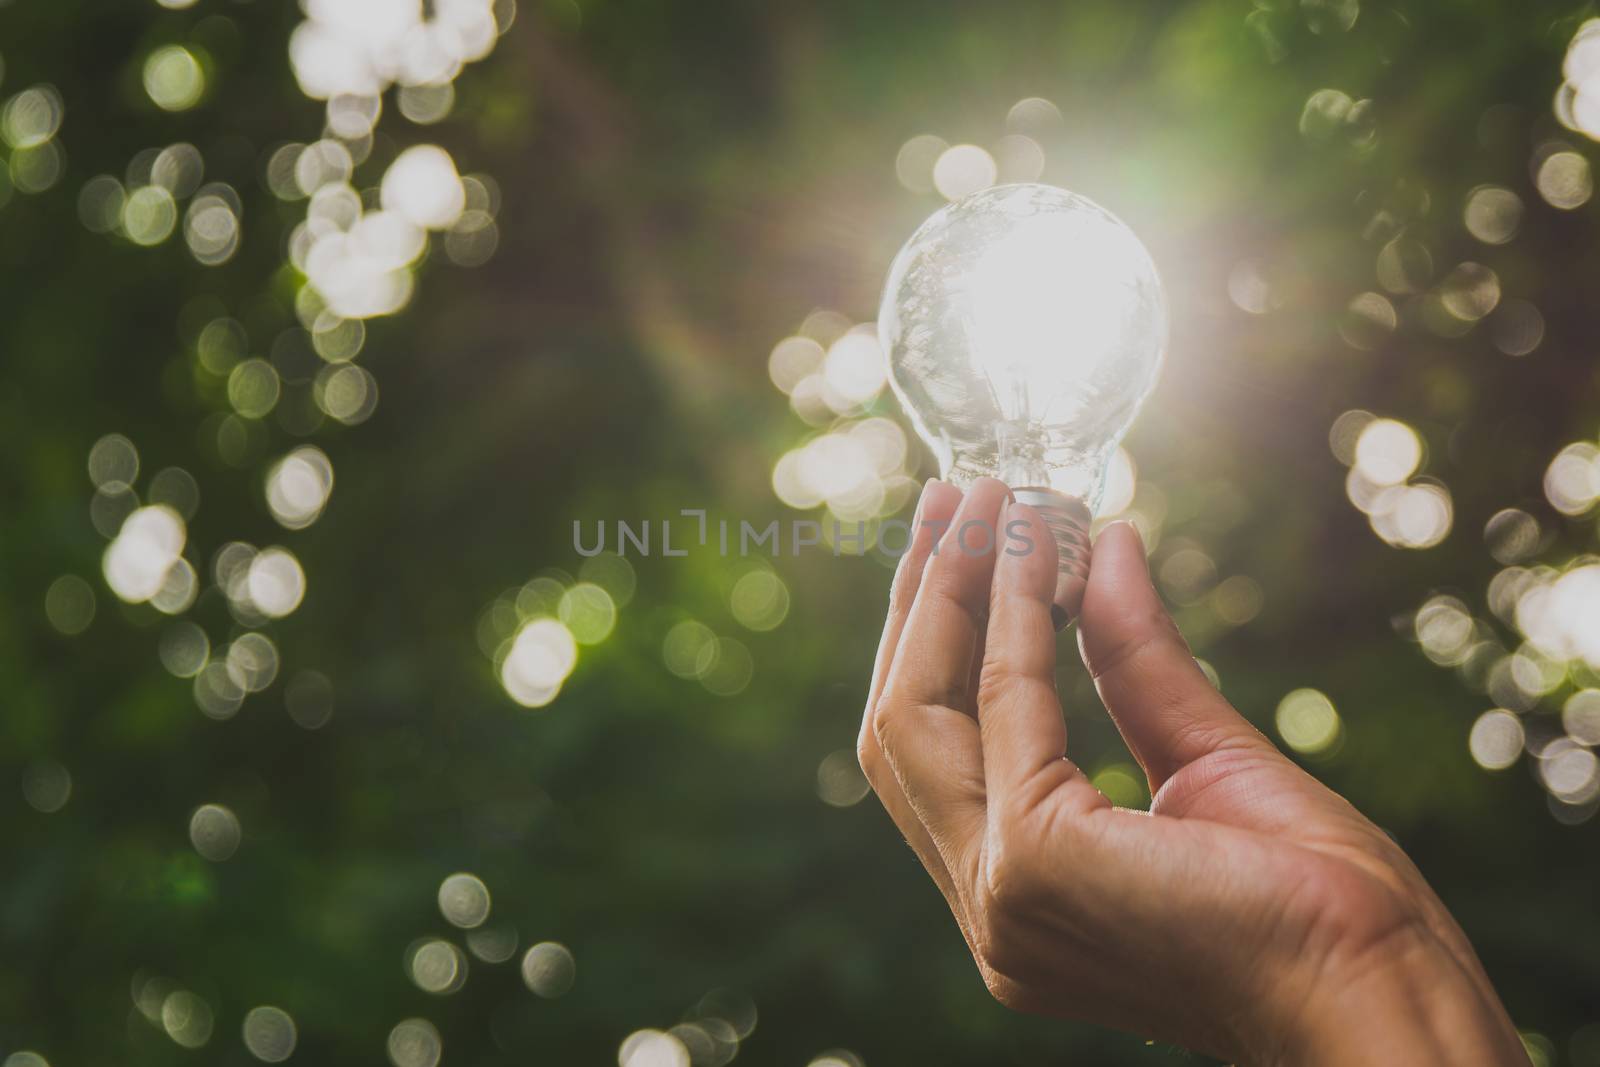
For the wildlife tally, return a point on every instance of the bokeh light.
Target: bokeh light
(298, 486)
(962, 170)
(1496, 739)
(173, 78)
(415, 1043)
(464, 900)
(840, 783)
(537, 661)
(214, 831)
(69, 604)
(147, 546)
(549, 969)
(46, 786)
(270, 1034)
(652, 1048)
(436, 966)
(1308, 723)
(187, 1019)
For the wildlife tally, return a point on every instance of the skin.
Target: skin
(1251, 914)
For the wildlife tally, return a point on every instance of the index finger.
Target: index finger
(1024, 735)
(937, 504)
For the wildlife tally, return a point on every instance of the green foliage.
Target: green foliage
(679, 186)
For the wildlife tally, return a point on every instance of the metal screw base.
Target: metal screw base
(1068, 520)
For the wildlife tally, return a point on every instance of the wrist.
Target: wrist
(1408, 1000)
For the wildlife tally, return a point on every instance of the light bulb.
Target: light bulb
(1025, 325)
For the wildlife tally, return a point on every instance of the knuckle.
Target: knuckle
(943, 575)
(1012, 885)
(996, 683)
(885, 720)
(867, 751)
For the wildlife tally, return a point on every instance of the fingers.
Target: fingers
(935, 658)
(1168, 712)
(1024, 735)
(931, 745)
(934, 511)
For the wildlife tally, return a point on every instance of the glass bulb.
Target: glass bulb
(1025, 325)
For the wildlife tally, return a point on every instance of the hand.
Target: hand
(1252, 913)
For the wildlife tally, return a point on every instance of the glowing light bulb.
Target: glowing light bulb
(1025, 325)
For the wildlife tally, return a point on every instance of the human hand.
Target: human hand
(1252, 913)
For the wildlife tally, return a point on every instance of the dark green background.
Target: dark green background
(682, 183)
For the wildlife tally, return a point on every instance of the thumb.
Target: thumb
(1167, 710)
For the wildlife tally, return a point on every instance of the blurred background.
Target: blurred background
(321, 325)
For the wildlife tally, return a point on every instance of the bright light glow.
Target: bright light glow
(1122, 481)
(963, 170)
(275, 583)
(423, 186)
(1413, 516)
(652, 1048)
(537, 662)
(854, 367)
(1387, 452)
(1024, 325)
(1578, 100)
(1049, 301)
(1561, 615)
(298, 486)
(1572, 481)
(137, 561)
